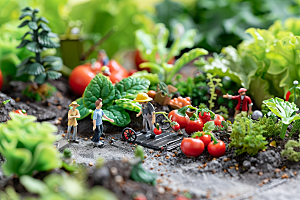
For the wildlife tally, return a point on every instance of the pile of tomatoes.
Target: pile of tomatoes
(180, 102)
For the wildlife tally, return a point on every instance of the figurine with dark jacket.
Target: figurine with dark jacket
(243, 101)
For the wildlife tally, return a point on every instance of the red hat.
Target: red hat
(242, 90)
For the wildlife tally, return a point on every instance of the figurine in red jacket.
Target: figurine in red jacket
(243, 101)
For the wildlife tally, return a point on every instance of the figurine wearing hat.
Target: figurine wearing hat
(148, 112)
(97, 123)
(72, 122)
(243, 101)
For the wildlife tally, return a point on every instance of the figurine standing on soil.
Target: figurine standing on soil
(243, 101)
(97, 123)
(72, 122)
(148, 112)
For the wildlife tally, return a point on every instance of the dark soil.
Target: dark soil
(254, 171)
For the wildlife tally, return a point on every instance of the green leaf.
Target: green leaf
(55, 62)
(34, 186)
(24, 23)
(128, 104)
(118, 114)
(155, 68)
(35, 68)
(283, 109)
(29, 32)
(45, 27)
(209, 126)
(259, 88)
(43, 19)
(153, 78)
(24, 14)
(51, 59)
(84, 112)
(45, 41)
(185, 59)
(34, 47)
(23, 43)
(41, 78)
(26, 9)
(53, 74)
(8, 64)
(99, 87)
(130, 87)
(33, 25)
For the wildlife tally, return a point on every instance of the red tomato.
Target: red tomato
(157, 131)
(216, 150)
(81, 75)
(1, 80)
(181, 197)
(192, 147)
(218, 120)
(183, 121)
(176, 127)
(139, 196)
(194, 126)
(205, 118)
(139, 60)
(21, 112)
(206, 139)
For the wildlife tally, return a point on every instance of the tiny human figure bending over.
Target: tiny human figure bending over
(148, 112)
(243, 101)
(72, 122)
(97, 123)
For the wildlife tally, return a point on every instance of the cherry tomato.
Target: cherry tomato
(216, 150)
(139, 196)
(181, 197)
(205, 118)
(192, 147)
(288, 94)
(151, 93)
(157, 131)
(21, 112)
(1, 80)
(206, 139)
(218, 120)
(183, 121)
(176, 127)
(117, 71)
(194, 126)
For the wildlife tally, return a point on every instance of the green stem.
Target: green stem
(213, 137)
(295, 99)
(164, 113)
(283, 130)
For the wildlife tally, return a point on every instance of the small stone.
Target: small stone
(167, 157)
(160, 190)
(114, 171)
(17, 99)
(27, 102)
(59, 107)
(85, 139)
(151, 168)
(160, 163)
(124, 160)
(49, 104)
(295, 173)
(119, 179)
(277, 170)
(260, 173)
(63, 135)
(247, 164)
(145, 156)
(265, 181)
(60, 118)
(284, 176)
(161, 174)
(91, 164)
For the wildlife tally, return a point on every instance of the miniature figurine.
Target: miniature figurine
(72, 122)
(243, 101)
(102, 57)
(97, 123)
(148, 112)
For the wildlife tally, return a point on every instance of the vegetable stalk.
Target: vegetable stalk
(283, 130)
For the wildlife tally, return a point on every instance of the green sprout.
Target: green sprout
(213, 86)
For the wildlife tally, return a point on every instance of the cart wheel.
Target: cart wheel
(129, 135)
(162, 122)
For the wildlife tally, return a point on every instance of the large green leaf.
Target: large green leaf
(43, 19)
(45, 27)
(24, 23)
(259, 88)
(185, 59)
(45, 41)
(130, 87)
(53, 74)
(118, 114)
(24, 14)
(99, 87)
(283, 109)
(32, 185)
(41, 78)
(128, 104)
(155, 68)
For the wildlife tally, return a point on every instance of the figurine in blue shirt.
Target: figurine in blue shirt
(97, 123)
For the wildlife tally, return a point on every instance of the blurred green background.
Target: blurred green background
(219, 22)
